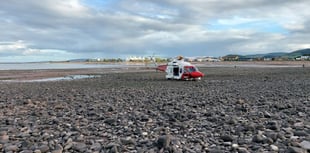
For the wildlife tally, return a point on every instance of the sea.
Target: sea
(37, 66)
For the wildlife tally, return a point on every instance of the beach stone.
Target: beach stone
(59, 147)
(37, 151)
(272, 135)
(26, 151)
(273, 125)
(13, 148)
(243, 150)
(235, 146)
(43, 148)
(258, 139)
(163, 141)
(296, 150)
(127, 141)
(4, 138)
(79, 146)
(96, 147)
(227, 138)
(68, 146)
(274, 148)
(57, 151)
(305, 144)
(110, 121)
(300, 133)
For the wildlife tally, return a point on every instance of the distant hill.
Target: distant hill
(297, 53)
(77, 60)
(290, 55)
(268, 55)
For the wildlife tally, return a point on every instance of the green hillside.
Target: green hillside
(291, 55)
(303, 52)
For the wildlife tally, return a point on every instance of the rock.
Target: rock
(272, 135)
(57, 151)
(113, 147)
(300, 133)
(273, 125)
(44, 148)
(305, 144)
(79, 146)
(267, 114)
(227, 138)
(59, 147)
(243, 150)
(4, 138)
(68, 146)
(37, 151)
(163, 141)
(258, 139)
(296, 150)
(96, 147)
(13, 148)
(25, 151)
(274, 148)
(110, 121)
(235, 146)
(111, 109)
(127, 141)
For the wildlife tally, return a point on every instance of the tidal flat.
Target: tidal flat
(232, 109)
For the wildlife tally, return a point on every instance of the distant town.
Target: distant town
(299, 55)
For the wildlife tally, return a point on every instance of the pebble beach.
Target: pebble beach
(232, 109)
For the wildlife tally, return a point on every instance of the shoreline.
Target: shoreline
(35, 74)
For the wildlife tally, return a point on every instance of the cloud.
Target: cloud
(119, 28)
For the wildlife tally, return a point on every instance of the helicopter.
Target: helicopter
(178, 69)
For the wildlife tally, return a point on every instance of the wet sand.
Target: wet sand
(240, 109)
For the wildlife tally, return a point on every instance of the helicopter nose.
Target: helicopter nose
(197, 74)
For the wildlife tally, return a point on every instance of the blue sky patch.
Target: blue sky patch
(236, 23)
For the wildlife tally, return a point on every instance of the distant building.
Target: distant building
(135, 59)
(302, 58)
(231, 58)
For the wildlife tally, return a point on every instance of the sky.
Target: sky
(46, 30)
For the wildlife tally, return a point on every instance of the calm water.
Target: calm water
(36, 66)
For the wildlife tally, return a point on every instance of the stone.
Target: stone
(300, 133)
(127, 141)
(110, 121)
(296, 150)
(37, 151)
(57, 151)
(235, 146)
(79, 146)
(273, 125)
(274, 148)
(163, 141)
(25, 151)
(96, 147)
(243, 150)
(4, 138)
(227, 138)
(305, 144)
(68, 146)
(44, 148)
(13, 148)
(258, 139)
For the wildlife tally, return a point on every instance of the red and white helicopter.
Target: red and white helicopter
(178, 69)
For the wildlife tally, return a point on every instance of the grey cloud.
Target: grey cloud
(166, 27)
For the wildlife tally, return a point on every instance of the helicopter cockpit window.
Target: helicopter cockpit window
(191, 69)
